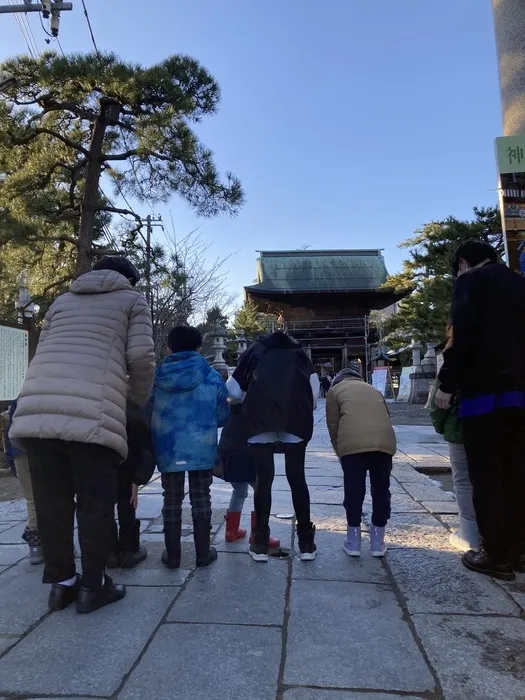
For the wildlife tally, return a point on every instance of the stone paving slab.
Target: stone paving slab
(332, 564)
(7, 641)
(281, 529)
(475, 657)
(204, 662)
(234, 590)
(317, 694)
(369, 620)
(12, 553)
(150, 505)
(328, 517)
(516, 589)
(13, 534)
(414, 530)
(13, 510)
(85, 655)
(441, 507)
(144, 576)
(23, 598)
(406, 474)
(428, 492)
(435, 581)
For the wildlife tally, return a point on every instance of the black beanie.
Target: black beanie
(119, 264)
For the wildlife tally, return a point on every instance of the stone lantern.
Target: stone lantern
(242, 344)
(219, 348)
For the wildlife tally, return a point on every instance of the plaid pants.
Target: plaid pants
(173, 485)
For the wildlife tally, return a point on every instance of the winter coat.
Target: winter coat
(140, 462)
(11, 452)
(235, 457)
(358, 419)
(446, 421)
(274, 374)
(189, 404)
(488, 317)
(96, 343)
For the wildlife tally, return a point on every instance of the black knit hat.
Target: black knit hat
(121, 265)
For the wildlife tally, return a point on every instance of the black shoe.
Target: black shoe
(172, 553)
(90, 600)
(307, 547)
(259, 548)
(519, 565)
(206, 555)
(62, 596)
(128, 560)
(481, 563)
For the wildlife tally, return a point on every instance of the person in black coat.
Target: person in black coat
(486, 365)
(237, 466)
(136, 471)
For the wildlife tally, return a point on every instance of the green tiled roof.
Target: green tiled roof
(319, 271)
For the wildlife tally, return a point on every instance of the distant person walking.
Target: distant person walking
(279, 387)
(96, 345)
(364, 440)
(486, 365)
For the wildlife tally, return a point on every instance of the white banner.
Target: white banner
(14, 359)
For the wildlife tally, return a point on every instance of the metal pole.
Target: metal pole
(34, 7)
(148, 260)
(509, 26)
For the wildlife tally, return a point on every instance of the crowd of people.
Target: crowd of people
(95, 417)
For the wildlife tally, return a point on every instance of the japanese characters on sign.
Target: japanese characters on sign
(510, 153)
(14, 359)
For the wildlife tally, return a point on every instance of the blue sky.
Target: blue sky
(350, 122)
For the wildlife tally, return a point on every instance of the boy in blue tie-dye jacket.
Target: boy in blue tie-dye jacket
(189, 404)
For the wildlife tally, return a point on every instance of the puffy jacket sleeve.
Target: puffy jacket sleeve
(140, 354)
(332, 416)
(223, 409)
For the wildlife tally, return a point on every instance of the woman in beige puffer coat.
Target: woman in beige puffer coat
(363, 438)
(96, 345)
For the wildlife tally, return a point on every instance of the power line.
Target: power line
(26, 32)
(86, 15)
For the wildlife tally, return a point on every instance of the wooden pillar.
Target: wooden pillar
(344, 357)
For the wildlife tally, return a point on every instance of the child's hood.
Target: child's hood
(182, 371)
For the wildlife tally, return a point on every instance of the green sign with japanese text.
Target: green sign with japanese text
(510, 153)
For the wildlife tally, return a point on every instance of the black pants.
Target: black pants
(200, 498)
(294, 455)
(355, 467)
(126, 535)
(495, 446)
(61, 471)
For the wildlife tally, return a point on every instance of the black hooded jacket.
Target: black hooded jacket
(275, 374)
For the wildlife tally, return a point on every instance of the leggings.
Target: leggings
(294, 454)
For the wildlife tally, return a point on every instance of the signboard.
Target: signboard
(14, 359)
(404, 384)
(379, 379)
(510, 155)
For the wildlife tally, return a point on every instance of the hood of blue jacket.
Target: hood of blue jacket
(182, 371)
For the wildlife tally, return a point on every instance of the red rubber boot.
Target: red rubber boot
(272, 542)
(233, 531)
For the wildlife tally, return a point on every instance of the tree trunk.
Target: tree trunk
(106, 116)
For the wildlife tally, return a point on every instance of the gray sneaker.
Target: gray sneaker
(352, 544)
(377, 541)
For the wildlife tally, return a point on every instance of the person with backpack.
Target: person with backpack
(278, 385)
(363, 438)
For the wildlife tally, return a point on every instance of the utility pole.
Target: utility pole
(509, 26)
(150, 223)
(29, 6)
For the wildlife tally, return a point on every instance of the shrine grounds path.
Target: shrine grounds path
(416, 625)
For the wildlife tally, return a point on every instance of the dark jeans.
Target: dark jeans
(173, 485)
(61, 471)
(495, 446)
(355, 467)
(294, 455)
(126, 513)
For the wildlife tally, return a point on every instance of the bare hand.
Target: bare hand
(134, 500)
(443, 400)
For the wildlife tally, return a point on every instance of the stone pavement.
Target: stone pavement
(416, 625)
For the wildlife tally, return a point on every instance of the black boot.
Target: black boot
(260, 545)
(171, 555)
(307, 547)
(90, 600)
(481, 563)
(61, 596)
(201, 534)
(130, 559)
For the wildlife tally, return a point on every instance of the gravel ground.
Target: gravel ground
(409, 414)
